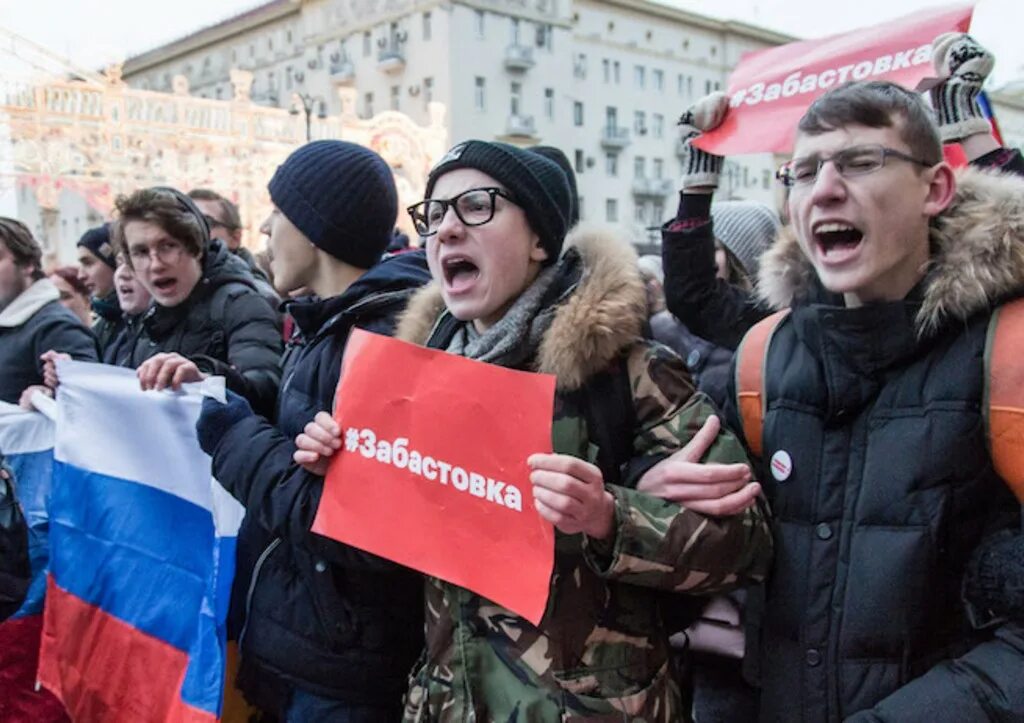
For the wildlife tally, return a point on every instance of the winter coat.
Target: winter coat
(709, 364)
(14, 562)
(32, 324)
(882, 484)
(601, 651)
(321, 616)
(224, 326)
(109, 321)
(119, 351)
(710, 307)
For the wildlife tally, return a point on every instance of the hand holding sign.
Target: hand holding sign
(569, 493)
(431, 471)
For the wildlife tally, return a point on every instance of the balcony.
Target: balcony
(343, 73)
(644, 187)
(614, 139)
(520, 127)
(391, 59)
(518, 58)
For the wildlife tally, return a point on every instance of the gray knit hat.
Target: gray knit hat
(747, 229)
(536, 183)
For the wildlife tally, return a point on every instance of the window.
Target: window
(428, 90)
(639, 76)
(514, 37)
(479, 22)
(396, 91)
(658, 79)
(659, 212)
(515, 98)
(766, 179)
(707, 87)
(288, 78)
(657, 125)
(639, 167)
(579, 207)
(579, 161)
(479, 93)
(368, 105)
(611, 210)
(579, 66)
(577, 113)
(549, 103)
(658, 168)
(680, 84)
(270, 43)
(611, 164)
(640, 122)
(366, 43)
(426, 26)
(641, 213)
(606, 65)
(288, 36)
(718, 85)
(611, 118)
(615, 72)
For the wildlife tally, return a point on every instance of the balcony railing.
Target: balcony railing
(614, 138)
(391, 58)
(518, 57)
(520, 126)
(651, 187)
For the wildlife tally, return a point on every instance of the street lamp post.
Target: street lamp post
(306, 104)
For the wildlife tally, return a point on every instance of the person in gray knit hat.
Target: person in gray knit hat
(746, 230)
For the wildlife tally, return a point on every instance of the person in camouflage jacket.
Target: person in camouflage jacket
(601, 650)
(503, 293)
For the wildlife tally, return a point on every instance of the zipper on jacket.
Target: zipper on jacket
(252, 586)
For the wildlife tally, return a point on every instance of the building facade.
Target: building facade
(602, 80)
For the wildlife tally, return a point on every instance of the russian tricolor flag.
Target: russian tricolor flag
(26, 439)
(142, 549)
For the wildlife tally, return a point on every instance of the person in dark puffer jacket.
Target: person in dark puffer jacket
(881, 482)
(207, 316)
(330, 632)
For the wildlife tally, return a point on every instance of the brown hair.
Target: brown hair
(163, 208)
(228, 211)
(877, 104)
(25, 249)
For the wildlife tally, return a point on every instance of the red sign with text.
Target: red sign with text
(432, 469)
(770, 89)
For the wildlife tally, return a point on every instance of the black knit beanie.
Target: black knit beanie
(97, 240)
(536, 184)
(341, 196)
(556, 155)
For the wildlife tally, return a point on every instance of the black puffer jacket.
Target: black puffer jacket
(322, 616)
(110, 322)
(224, 326)
(874, 417)
(14, 563)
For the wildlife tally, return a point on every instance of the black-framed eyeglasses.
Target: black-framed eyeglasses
(474, 207)
(849, 162)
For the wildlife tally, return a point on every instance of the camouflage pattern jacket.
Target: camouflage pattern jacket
(601, 651)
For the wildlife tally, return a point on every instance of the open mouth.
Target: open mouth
(164, 284)
(836, 239)
(459, 273)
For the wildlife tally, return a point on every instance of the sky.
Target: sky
(91, 32)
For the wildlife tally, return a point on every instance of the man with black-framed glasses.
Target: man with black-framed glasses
(873, 446)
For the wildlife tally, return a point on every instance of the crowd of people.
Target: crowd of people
(843, 550)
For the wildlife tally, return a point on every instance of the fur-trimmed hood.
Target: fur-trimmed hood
(977, 256)
(602, 317)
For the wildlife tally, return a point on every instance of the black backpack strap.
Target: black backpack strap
(607, 403)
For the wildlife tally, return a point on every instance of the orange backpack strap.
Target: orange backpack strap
(1004, 393)
(750, 363)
